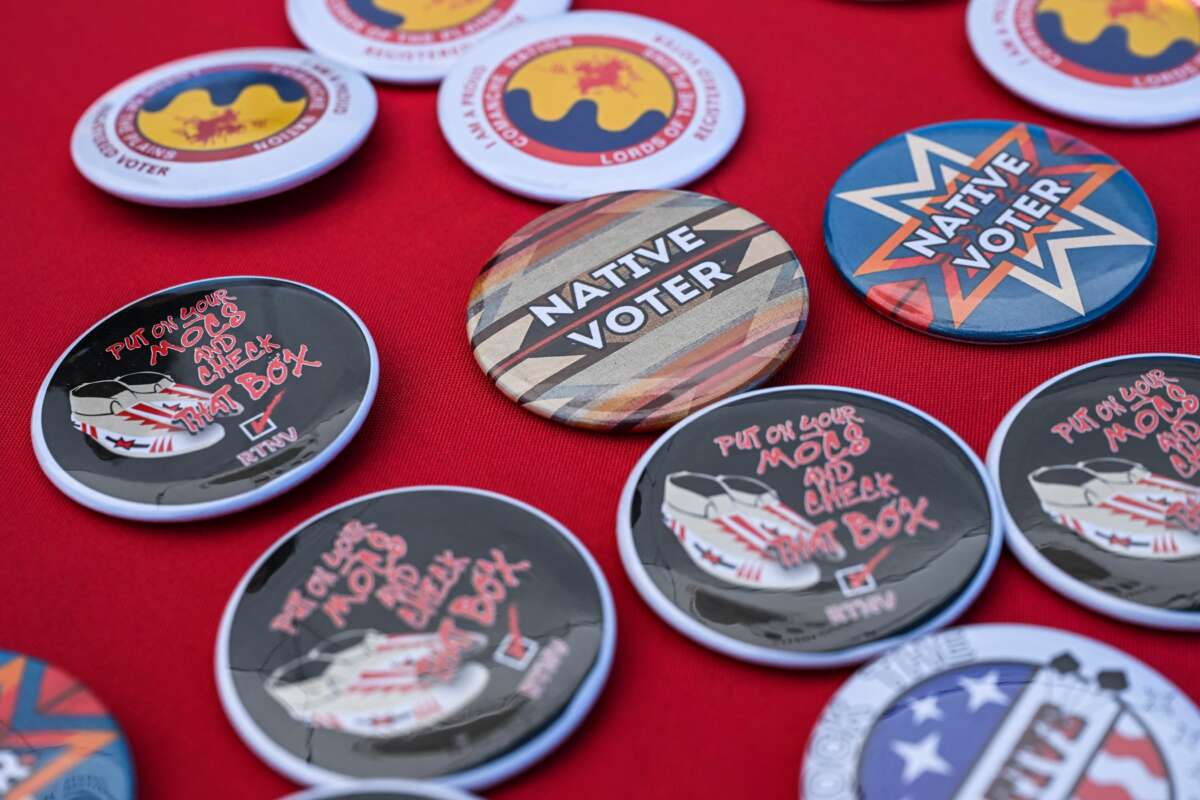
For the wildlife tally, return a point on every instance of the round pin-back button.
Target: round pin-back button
(1098, 470)
(204, 399)
(990, 231)
(1129, 64)
(383, 790)
(57, 740)
(631, 310)
(404, 41)
(429, 633)
(808, 526)
(1004, 711)
(591, 102)
(223, 127)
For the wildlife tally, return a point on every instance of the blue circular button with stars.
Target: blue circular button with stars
(990, 231)
(985, 712)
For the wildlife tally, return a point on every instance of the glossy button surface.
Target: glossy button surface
(427, 633)
(1004, 711)
(56, 738)
(383, 790)
(591, 102)
(223, 127)
(1129, 64)
(631, 310)
(990, 231)
(808, 526)
(407, 41)
(204, 398)
(1099, 472)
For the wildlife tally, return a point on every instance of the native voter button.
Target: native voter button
(407, 41)
(808, 526)
(57, 740)
(1134, 63)
(426, 633)
(990, 231)
(383, 790)
(631, 310)
(224, 127)
(204, 399)
(1008, 712)
(1098, 470)
(591, 102)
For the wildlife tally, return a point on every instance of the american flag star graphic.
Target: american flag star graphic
(1013, 731)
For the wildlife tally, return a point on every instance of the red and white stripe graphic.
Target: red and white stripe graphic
(163, 444)
(1071, 522)
(188, 392)
(1169, 485)
(405, 678)
(749, 571)
(1128, 766)
(87, 430)
(148, 415)
(1165, 545)
(792, 518)
(410, 662)
(1140, 509)
(766, 539)
(749, 532)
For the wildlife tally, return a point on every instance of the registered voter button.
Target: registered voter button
(808, 526)
(591, 102)
(224, 127)
(1098, 470)
(383, 790)
(56, 738)
(632, 310)
(204, 399)
(407, 41)
(1004, 711)
(990, 231)
(431, 633)
(1127, 64)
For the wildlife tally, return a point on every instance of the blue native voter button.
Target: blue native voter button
(990, 231)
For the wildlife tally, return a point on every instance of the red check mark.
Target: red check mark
(516, 646)
(259, 425)
(857, 579)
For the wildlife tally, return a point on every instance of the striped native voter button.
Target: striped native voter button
(632, 310)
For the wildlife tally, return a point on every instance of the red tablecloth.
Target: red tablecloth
(399, 233)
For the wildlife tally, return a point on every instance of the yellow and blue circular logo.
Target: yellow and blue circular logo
(1132, 43)
(417, 21)
(590, 101)
(222, 113)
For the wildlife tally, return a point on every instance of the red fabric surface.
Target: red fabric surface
(399, 233)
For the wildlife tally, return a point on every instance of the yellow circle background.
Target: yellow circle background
(191, 121)
(557, 81)
(1150, 32)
